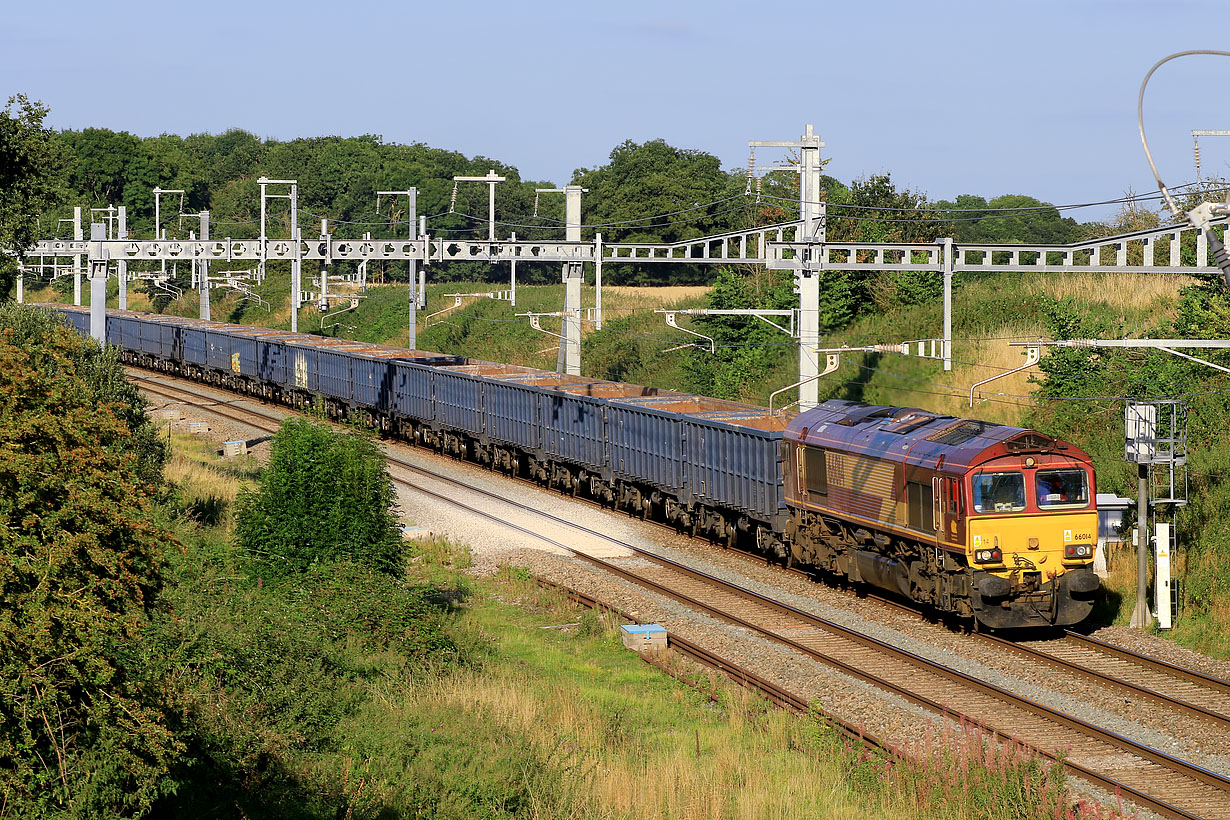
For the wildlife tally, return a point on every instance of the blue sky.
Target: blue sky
(950, 97)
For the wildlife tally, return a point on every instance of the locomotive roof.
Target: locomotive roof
(916, 435)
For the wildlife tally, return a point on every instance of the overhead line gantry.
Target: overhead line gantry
(800, 246)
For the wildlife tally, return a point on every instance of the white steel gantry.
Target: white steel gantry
(780, 247)
(800, 246)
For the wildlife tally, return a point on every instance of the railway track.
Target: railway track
(1169, 685)
(1161, 782)
(1185, 690)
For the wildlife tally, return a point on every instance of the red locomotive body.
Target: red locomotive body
(980, 519)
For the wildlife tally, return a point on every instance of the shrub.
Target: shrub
(325, 496)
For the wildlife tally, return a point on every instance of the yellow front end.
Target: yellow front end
(1047, 543)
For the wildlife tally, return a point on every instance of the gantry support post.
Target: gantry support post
(598, 282)
(121, 267)
(422, 234)
(260, 265)
(412, 199)
(322, 299)
(204, 283)
(98, 283)
(1141, 617)
(296, 264)
(813, 214)
(79, 236)
(573, 276)
(946, 245)
(296, 258)
(412, 221)
(512, 275)
(491, 179)
(811, 257)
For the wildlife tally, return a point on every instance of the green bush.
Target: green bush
(30, 327)
(82, 732)
(325, 496)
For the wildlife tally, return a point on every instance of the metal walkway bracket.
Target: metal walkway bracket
(831, 363)
(672, 322)
(536, 323)
(459, 300)
(762, 315)
(1033, 352)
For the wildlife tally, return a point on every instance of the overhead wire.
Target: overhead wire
(1021, 209)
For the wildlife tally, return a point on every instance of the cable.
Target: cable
(1140, 115)
(1026, 209)
(1031, 397)
(649, 221)
(633, 222)
(628, 223)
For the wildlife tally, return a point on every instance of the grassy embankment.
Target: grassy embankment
(299, 707)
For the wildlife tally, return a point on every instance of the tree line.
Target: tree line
(644, 192)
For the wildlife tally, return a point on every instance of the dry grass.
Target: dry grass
(994, 355)
(208, 485)
(1002, 400)
(650, 297)
(1134, 296)
(1121, 578)
(689, 776)
(1128, 292)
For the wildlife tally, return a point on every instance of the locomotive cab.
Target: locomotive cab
(1032, 528)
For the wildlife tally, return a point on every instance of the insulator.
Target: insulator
(535, 205)
(751, 171)
(1196, 151)
(757, 189)
(452, 200)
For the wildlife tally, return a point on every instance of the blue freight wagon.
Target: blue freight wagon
(733, 459)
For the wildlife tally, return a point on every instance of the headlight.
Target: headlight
(1078, 551)
(991, 556)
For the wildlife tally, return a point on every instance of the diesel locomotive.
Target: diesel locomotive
(980, 519)
(986, 521)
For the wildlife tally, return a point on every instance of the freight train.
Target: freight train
(985, 521)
